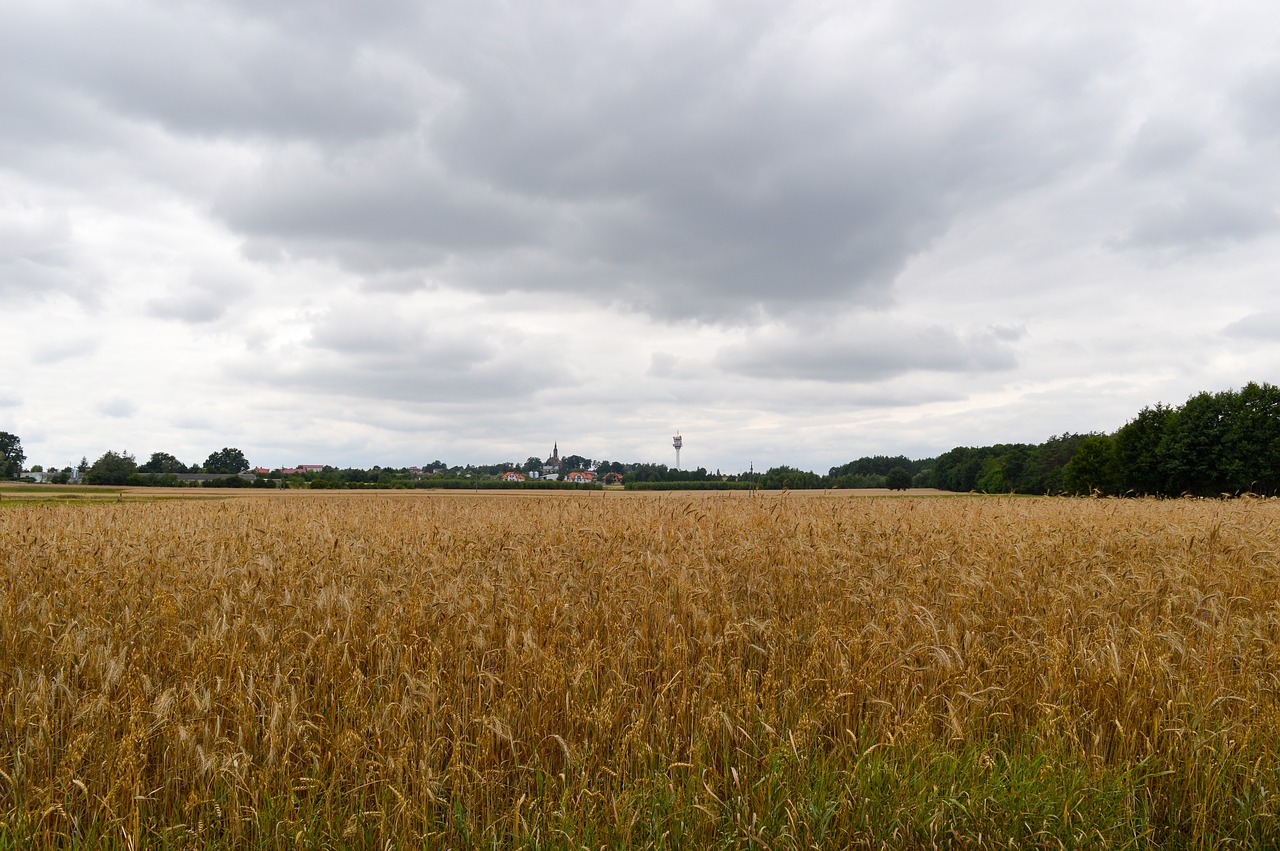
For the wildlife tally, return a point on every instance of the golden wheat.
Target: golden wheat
(447, 669)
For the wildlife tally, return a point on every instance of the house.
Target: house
(512, 476)
(612, 478)
(261, 471)
(301, 468)
(580, 477)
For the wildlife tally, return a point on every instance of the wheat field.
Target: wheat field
(410, 670)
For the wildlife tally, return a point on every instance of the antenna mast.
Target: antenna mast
(677, 442)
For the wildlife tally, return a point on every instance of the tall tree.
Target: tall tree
(1139, 467)
(227, 461)
(1044, 468)
(11, 455)
(1251, 453)
(1192, 449)
(113, 468)
(162, 462)
(1092, 468)
(574, 462)
(898, 479)
(791, 478)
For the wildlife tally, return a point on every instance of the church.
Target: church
(552, 466)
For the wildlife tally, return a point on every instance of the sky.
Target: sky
(392, 231)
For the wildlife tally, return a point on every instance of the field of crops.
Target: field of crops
(639, 670)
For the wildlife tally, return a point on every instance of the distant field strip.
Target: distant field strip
(633, 670)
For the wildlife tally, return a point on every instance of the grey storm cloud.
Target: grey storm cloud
(1203, 217)
(869, 353)
(202, 299)
(1163, 146)
(703, 167)
(1263, 325)
(199, 69)
(1257, 102)
(35, 253)
(68, 344)
(683, 162)
(193, 306)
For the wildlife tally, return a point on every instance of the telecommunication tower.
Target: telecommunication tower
(677, 442)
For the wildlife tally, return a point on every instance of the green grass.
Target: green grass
(886, 796)
(47, 489)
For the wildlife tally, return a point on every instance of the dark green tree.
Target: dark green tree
(1043, 473)
(993, 478)
(646, 473)
(959, 469)
(113, 468)
(898, 479)
(874, 465)
(162, 462)
(1251, 451)
(11, 455)
(791, 478)
(227, 461)
(1092, 468)
(1192, 451)
(1139, 468)
(574, 462)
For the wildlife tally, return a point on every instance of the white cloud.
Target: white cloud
(63, 343)
(118, 407)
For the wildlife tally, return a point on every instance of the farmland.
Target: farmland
(639, 670)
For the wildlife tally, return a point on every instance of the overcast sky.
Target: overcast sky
(393, 231)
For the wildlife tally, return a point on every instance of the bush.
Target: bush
(688, 486)
(898, 479)
(228, 482)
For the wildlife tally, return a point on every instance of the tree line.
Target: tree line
(162, 468)
(1215, 443)
(121, 468)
